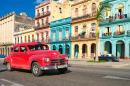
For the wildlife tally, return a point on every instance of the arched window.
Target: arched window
(120, 11)
(93, 9)
(76, 12)
(76, 30)
(84, 10)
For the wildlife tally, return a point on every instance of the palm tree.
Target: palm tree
(99, 16)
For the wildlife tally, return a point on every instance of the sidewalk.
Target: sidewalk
(83, 62)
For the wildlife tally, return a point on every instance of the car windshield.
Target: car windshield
(37, 47)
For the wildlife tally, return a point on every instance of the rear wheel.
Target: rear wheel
(9, 68)
(63, 70)
(36, 69)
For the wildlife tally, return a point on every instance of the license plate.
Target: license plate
(61, 66)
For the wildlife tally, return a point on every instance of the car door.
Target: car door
(24, 57)
(15, 57)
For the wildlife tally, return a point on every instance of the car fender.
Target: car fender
(8, 59)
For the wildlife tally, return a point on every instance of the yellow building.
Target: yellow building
(60, 9)
(28, 35)
(83, 28)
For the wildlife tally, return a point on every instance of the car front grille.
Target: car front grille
(57, 62)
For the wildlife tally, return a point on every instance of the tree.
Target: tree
(99, 16)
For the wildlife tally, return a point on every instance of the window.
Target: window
(107, 12)
(42, 11)
(42, 23)
(93, 9)
(37, 47)
(21, 39)
(15, 40)
(84, 28)
(16, 49)
(76, 30)
(25, 38)
(93, 26)
(47, 34)
(60, 10)
(76, 12)
(47, 8)
(120, 11)
(107, 30)
(42, 36)
(23, 48)
(84, 10)
(47, 20)
(120, 28)
(60, 35)
(33, 38)
(18, 39)
(28, 38)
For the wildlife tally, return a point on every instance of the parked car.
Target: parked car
(108, 57)
(35, 57)
(2, 56)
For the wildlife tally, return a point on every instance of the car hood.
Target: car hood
(50, 52)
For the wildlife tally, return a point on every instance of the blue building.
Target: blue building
(114, 29)
(60, 36)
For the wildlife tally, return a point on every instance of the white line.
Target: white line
(114, 77)
(12, 83)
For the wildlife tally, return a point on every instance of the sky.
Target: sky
(28, 6)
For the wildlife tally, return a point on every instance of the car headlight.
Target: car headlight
(66, 58)
(47, 59)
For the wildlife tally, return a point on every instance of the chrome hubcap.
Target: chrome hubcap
(35, 69)
(8, 66)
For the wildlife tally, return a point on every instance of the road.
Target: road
(75, 76)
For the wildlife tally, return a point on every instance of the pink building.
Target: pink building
(42, 22)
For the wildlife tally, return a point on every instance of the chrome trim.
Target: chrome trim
(55, 67)
(57, 59)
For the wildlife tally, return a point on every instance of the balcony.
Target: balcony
(106, 34)
(42, 26)
(84, 17)
(40, 15)
(83, 36)
(119, 33)
(115, 18)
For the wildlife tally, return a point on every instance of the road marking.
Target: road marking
(2, 85)
(114, 77)
(12, 83)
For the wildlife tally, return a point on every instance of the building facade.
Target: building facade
(42, 22)
(114, 29)
(83, 36)
(7, 24)
(61, 26)
(11, 30)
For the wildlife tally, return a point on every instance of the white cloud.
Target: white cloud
(41, 1)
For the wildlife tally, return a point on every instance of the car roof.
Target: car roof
(31, 43)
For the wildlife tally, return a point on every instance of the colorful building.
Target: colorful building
(83, 36)
(61, 26)
(114, 29)
(42, 22)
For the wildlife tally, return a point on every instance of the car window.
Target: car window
(37, 47)
(16, 49)
(23, 48)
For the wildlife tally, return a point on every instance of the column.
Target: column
(63, 48)
(89, 50)
(80, 51)
(72, 50)
(114, 48)
(127, 49)
(101, 47)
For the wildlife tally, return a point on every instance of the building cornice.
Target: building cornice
(43, 4)
(79, 2)
(8, 15)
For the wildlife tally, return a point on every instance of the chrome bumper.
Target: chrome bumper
(55, 67)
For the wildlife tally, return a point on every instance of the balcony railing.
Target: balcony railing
(119, 33)
(41, 14)
(80, 17)
(83, 36)
(42, 25)
(115, 18)
(106, 34)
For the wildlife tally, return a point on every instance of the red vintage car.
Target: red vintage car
(35, 57)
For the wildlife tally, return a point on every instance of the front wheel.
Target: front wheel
(63, 70)
(36, 69)
(9, 68)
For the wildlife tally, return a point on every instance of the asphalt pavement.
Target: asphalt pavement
(77, 75)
